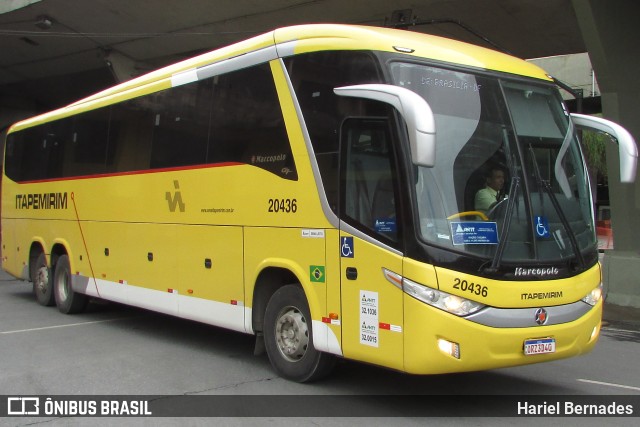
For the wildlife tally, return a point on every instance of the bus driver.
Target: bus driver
(487, 197)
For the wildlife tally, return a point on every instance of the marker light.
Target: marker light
(595, 333)
(594, 296)
(442, 300)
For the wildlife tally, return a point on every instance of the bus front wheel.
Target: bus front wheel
(43, 282)
(289, 339)
(68, 301)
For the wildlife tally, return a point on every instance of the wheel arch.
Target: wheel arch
(272, 277)
(58, 249)
(37, 248)
(269, 280)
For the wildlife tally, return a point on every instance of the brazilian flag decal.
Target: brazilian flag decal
(316, 273)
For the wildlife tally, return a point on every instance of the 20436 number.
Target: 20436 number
(283, 205)
(471, 287)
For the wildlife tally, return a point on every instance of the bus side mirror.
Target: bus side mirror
(414, 110)
(627, 149)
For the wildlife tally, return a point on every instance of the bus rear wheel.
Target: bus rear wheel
(42, 282)
(289, 339)
(68, 301)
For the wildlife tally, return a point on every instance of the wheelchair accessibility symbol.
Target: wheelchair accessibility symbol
(346, 247)
(542, 227)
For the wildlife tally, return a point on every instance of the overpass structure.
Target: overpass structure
(57, 51)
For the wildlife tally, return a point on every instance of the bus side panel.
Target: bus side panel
(190, 261)
(134, 254)
(209, 264)
(10, 261)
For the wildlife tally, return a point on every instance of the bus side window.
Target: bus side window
(130, 135)
(87, 144)
(35, 153)
(368, 196)
(314, 76)
(181, 125)
(247, 124)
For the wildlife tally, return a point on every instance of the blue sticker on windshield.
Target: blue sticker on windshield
(542, 227)
(474, 233)
(385, 225)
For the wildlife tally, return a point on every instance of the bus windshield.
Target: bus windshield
(509, 182)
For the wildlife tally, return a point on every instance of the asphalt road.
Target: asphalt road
(115, 350)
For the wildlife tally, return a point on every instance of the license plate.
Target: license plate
(539, 346)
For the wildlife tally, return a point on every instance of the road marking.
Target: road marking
(44, 328)
(628, 387)
(607, 328)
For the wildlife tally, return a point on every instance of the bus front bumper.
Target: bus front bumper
(437, 342)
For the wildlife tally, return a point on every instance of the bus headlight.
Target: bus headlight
(594, 296)
(442, 300)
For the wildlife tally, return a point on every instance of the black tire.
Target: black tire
(42, 281)
(288, 337)
(68, 301)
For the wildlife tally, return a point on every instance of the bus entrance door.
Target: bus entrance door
(372, 313)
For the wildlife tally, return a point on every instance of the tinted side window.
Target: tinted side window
(34, 154)
(130, 134)
(181, 125)
(369, 194)
(13, 155)
(87, 145)
(247, 122)
(314, 76)
(231, 118)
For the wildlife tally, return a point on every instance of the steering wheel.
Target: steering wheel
(469, 213)
(494, 209)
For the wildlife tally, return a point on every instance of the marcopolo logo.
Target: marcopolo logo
(541, 271)
(268, 159)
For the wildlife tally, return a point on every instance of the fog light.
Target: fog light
(450, 348)
(595, 333)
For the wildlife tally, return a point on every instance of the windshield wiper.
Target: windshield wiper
(514, 189)
(556, 205)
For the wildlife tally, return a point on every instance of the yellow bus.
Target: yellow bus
(316, 186)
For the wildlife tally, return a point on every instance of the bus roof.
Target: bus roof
(309, 38)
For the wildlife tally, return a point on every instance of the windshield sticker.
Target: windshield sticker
(542, 227)
(474, 233)
(385, 225)
(454, 83)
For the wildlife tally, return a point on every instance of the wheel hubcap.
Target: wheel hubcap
(292, 334)
(63, 288)
(42, 279)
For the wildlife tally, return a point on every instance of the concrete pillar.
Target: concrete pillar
(611, 32)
